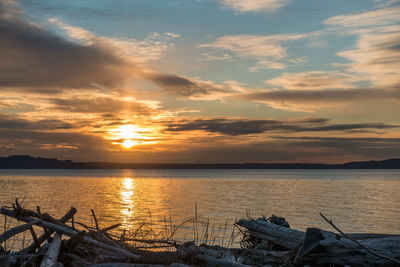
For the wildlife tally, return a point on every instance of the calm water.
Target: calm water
(356, 200)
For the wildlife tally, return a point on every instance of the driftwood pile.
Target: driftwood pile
(265, 242)
(271, 242)
(63, 244)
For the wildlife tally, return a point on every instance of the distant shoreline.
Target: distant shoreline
(29, 162)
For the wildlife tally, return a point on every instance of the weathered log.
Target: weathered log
(74, 259)
(8, 260)
(361, 236)
(273, 233)
(263, 257)
(190, 249)
(51, 256)
(210, 261)
(249, 256)
(16, 230)
(323, 247)
(70, 232)
(360, 244)
(74, 240)
(122, 264)
(88, 240)
(176, 264)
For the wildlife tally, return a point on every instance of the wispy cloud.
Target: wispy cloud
(376, 55)
(267, 50)
(255, 5)
(371, 18)
(313, 80)
(142, 51)
(309, 100)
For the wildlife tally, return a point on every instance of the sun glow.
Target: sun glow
(129, 135)
(128, 143)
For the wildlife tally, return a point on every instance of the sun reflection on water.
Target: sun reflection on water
(127, 192)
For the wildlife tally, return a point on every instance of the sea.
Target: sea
(355, 200)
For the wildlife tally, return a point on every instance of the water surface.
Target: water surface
(356, 200)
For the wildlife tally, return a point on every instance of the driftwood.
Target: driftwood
(69, 232)
(362, 245)
(51, 256)
(323, 247)
(266, 242)
(276, 234)
(319, 247)
(210, 261)
(70, 214)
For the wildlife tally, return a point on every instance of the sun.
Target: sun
(129, 135)
(128, 143)
(129, 131)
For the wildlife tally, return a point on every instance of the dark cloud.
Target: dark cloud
(185, 86)
(245, 126)
(342, 139)
(37, 59)
(101, 105)
(276, 151)
(177, 85)
(67, 145)
(9, 122)
(364, 148)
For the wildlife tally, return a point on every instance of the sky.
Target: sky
(200, 81)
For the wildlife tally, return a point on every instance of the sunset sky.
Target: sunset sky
(200, 81)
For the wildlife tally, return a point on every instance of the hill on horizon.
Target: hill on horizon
(30, 162)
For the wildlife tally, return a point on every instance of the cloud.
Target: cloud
(150, 49)
(312, 80)
(376, 57)
(19, 124)
(52, 143)
(190, 87)
(254, 46)
(267, 50)
(34, 58)
(255, 5)
(378, 17)
(265, 64)
(37, 60)
(103, 105)
(209, 57)
(308, 100)
(275, 149)
(236, 127)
